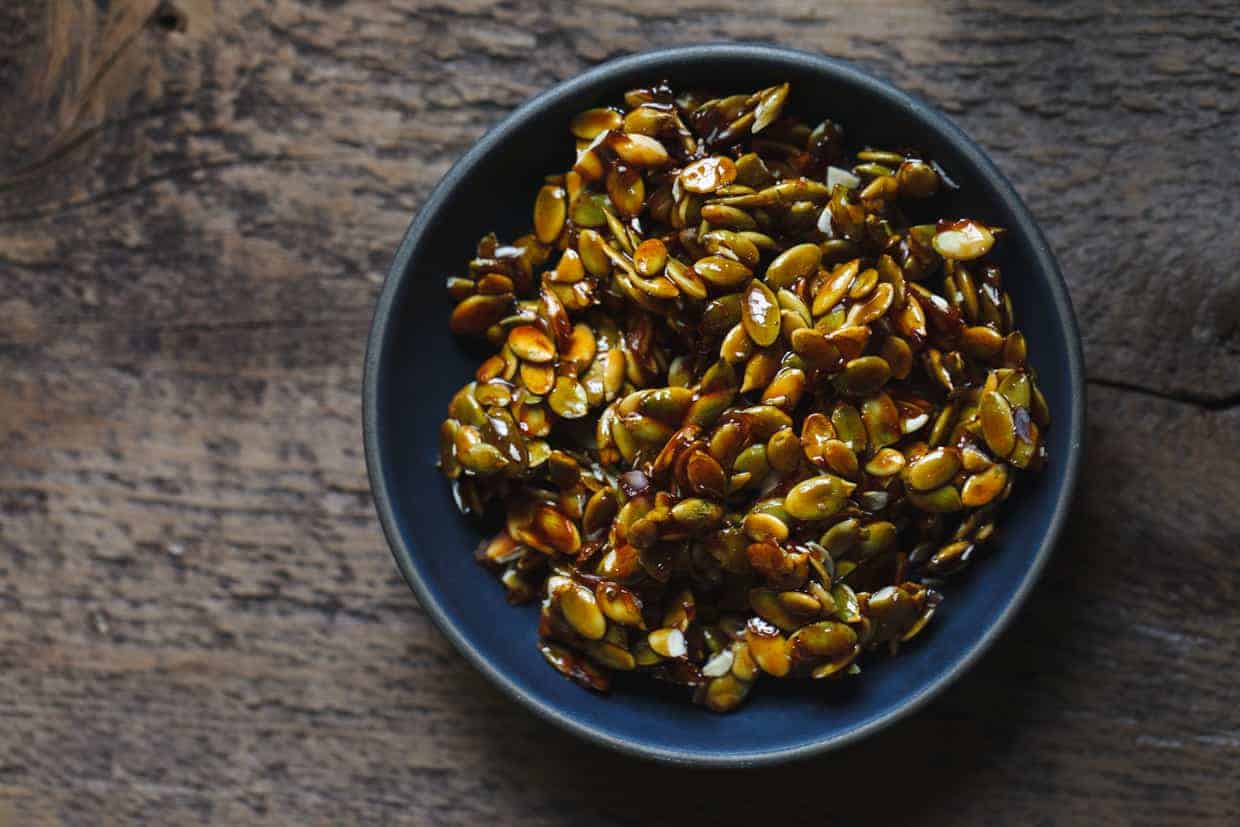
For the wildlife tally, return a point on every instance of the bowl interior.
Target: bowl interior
(415, 365)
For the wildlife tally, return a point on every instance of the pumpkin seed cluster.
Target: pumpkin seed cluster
(743, 416)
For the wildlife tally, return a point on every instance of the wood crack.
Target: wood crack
(145, 183)
(1206, 402)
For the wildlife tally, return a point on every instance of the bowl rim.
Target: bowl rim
(397, 275)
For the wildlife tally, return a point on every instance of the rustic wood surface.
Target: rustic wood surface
(199, 620)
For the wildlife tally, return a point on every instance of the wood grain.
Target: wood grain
(199, 621)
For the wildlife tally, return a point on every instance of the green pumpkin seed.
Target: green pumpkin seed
(539, 452)
(476, 455)
(951, 556)
(708, 174)
(885, 463)
(569, 664)
(974, 459)
(799, 604)
(770, 104)
(1014, 349)
(721, 315)
(849, 427)
(998, 427)
(708, 407)
(728, 441)
(762, 527)
(917, 179)
(785, 389)
(531, 344)
(933, 469)
(722, 215)
(448, 463)
(460, 288)
(817, 498)
(790, 322)
(898, 356)
(685, 279)
(753, 461)
(1038, 407)
(791, 301)
(731, 244)
(668, 643)
(799, 261)
(610, 655)
(718, 377)
(638, 150)
(881, 188)
(697, 514)
(982, 342)
(967, 290)
(705, 476)
(476, 314)
(944, 423)
(847, 607)
(568, 398)
(849, 340)
(722, 272)
(939, 501)
(783, 451)
(877, 538)
(590, 210)
(878, 157)
(589, 124)
(864, 284)
(1016, 389)
(882, 420)
(550, 211)
(665, 404)
(816, 431)
(812, 346)
(464, 407)
(964, 240)
(724, 693)
(841, 538)
(831, 322)
(600, 510)
(627, 190)
(841, 459)
(833, 289)
(537, 379)
(1026, 439)
(760, 313)
(650, 257)
(581, 610)
(824, 639)
(679, 372)
(768, 647)
(836, 666)
(765, 603)
(982, 488)
(752, 172)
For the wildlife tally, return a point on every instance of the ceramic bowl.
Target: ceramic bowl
(414, 365)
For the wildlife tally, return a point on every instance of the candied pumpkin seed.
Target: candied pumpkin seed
(760, 313)
(818, 497)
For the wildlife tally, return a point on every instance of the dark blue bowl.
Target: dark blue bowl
(413, 365)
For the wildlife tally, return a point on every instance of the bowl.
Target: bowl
(414, 365)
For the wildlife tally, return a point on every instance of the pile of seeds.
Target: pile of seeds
(744, 415)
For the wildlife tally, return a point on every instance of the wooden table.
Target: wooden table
(199, 620)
